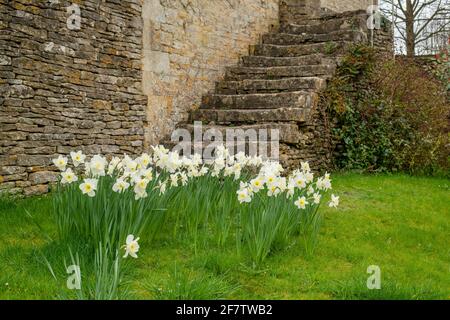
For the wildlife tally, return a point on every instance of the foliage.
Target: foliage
(389, 115)
(440, 67)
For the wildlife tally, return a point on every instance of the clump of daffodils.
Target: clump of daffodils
(136, 174)
(300, 186)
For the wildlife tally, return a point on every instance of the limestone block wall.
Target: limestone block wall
(63, 89)
(187, 44)
(347, 5)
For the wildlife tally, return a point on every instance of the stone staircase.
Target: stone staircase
(277, 86)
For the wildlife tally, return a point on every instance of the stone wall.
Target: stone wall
(187, 44)
(63, 89)
(119, 81)
(347, 5)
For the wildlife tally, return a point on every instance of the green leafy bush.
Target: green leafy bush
(389, 115)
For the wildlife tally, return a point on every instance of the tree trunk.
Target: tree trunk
(410, 35)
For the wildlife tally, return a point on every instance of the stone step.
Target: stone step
(298, 115)
(243, 73)
(265, 149)
(286, 132)
(358, 23)
(298, 99)
(270, 86)
(328, 48)
(260, 61)
(293, 39)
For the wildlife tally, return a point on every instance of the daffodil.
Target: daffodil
(77, 158)
(334, 203)
(244, 196)
(60, 163)
(120, 186)
(309, 177)
(140, 194)
(184, 178)
(68, 177)
(317, 197)
(257, 184)
(89, 186)
(300, 181)
(113, 165)
(145, 160)
(301, 203)
(97, 166)
(131, 247)
(273, 191)
(324, 183)
(141, 185)
(174, 180)
(305, 167)
(162, 186)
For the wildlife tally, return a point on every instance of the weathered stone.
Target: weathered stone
(15, 177)
(8, 170)
(21, 91)
(299, 99)
(31, 160)
(5, 60)
(43, 177)
(35, 190)
(259, 86)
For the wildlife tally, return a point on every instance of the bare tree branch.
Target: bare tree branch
(414, 19)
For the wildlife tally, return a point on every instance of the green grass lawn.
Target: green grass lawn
(398, 223)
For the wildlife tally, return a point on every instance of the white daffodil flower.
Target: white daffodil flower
(184, 178)
(141, 185)
(113, 165)
(334, 203)
(60, 163)
(309, 176)
(273, 191)
(301, 203)
(174, 180)
(140, 194)
(77, 158)
(317, 197)
(97, 166)
(144, 160)
(89, 186)
(305, 167)
(244, 196)
(68, 177)
(162, 186)
(300, 181)
(257, 184)
(131, 247)
(120, 185)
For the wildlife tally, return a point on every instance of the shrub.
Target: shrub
(389, 115)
